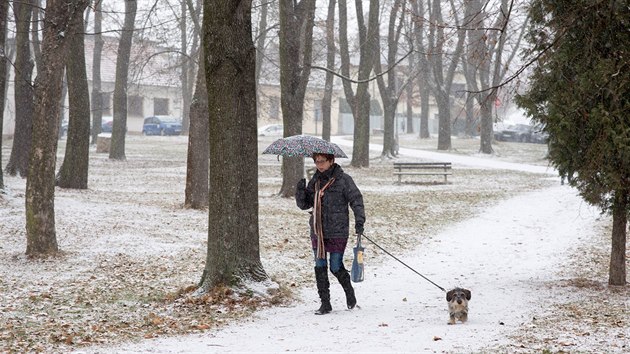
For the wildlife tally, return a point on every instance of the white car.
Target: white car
(271, 130)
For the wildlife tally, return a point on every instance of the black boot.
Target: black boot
(344, 279)
(323, 289)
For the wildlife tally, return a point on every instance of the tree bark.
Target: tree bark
(419, 9)
(97, 93)
(196, 194)
(360, 101)
(119, 127)
(389, 91)
(296, 39)
(74, 170)
(443, 79)
(40, 184)
(4, 16)
(185, 71)
(617, 269)
(19, 159)
(330, 65)
(230, 64)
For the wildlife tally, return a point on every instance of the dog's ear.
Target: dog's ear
(449, 295)
(468, 294)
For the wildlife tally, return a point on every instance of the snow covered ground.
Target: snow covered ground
(518, 258)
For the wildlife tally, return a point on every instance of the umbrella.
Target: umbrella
(303, 145)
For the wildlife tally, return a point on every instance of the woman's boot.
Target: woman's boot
(344, 279)
(323, 289)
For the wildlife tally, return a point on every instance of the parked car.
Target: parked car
(517, 132)
(162, 125)
(271, 130)
(106, 125)
(539, 137)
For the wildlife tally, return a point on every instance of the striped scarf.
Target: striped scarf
(317, 220)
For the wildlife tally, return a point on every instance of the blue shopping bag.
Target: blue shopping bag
(357, 263)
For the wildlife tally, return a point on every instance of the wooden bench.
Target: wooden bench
(422, 168)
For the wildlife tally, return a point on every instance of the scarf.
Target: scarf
(317, 219)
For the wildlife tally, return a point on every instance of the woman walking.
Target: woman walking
(329, 193)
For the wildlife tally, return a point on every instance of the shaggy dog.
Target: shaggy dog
(458, 304)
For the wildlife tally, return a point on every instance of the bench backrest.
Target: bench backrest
(421, 164)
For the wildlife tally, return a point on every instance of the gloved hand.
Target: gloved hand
(358, 229)
(301, 185)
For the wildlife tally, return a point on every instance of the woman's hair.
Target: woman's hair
(328, 157)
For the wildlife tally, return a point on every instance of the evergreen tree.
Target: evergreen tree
(580, 93)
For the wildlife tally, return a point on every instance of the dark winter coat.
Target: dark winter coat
(339, 195)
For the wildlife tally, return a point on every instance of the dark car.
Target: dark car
(161, 125)
(517, 132)
(539, 137)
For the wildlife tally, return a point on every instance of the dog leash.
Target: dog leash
(403, 263)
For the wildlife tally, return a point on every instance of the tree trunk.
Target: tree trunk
(185, 70)
(196, 195)
(97, 93)
(233, 240)
(119, 127)
(19, 159)
(389, 91)
(359, 102)
(617, 275)
(74, 170)
(330, 65)
(261, 39)
(38, 14)
(409, 111)
(192, 67)
(296, 39)
(419, 9)
(4, 16)
(40, 184)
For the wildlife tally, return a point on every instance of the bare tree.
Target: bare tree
(38, 14)
(360, 100)
(390, 91)
(119, 127)
(4, 16)
(196, 193)
(485, 65)
(19, 159)
(330, 65)
(97, 93)
(230, 64)
(424, 74)
(40, 184)
(188, 53)
(441, 58)
(296, 46)
(74, 169)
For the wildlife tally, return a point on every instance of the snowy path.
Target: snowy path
(502, 256)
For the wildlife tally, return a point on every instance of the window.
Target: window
(160, 106)
(134, 106)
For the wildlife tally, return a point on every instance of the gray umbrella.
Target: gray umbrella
(303, 145)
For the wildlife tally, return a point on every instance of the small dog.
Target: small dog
(458, 304)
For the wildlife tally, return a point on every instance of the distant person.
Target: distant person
(329, 192)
